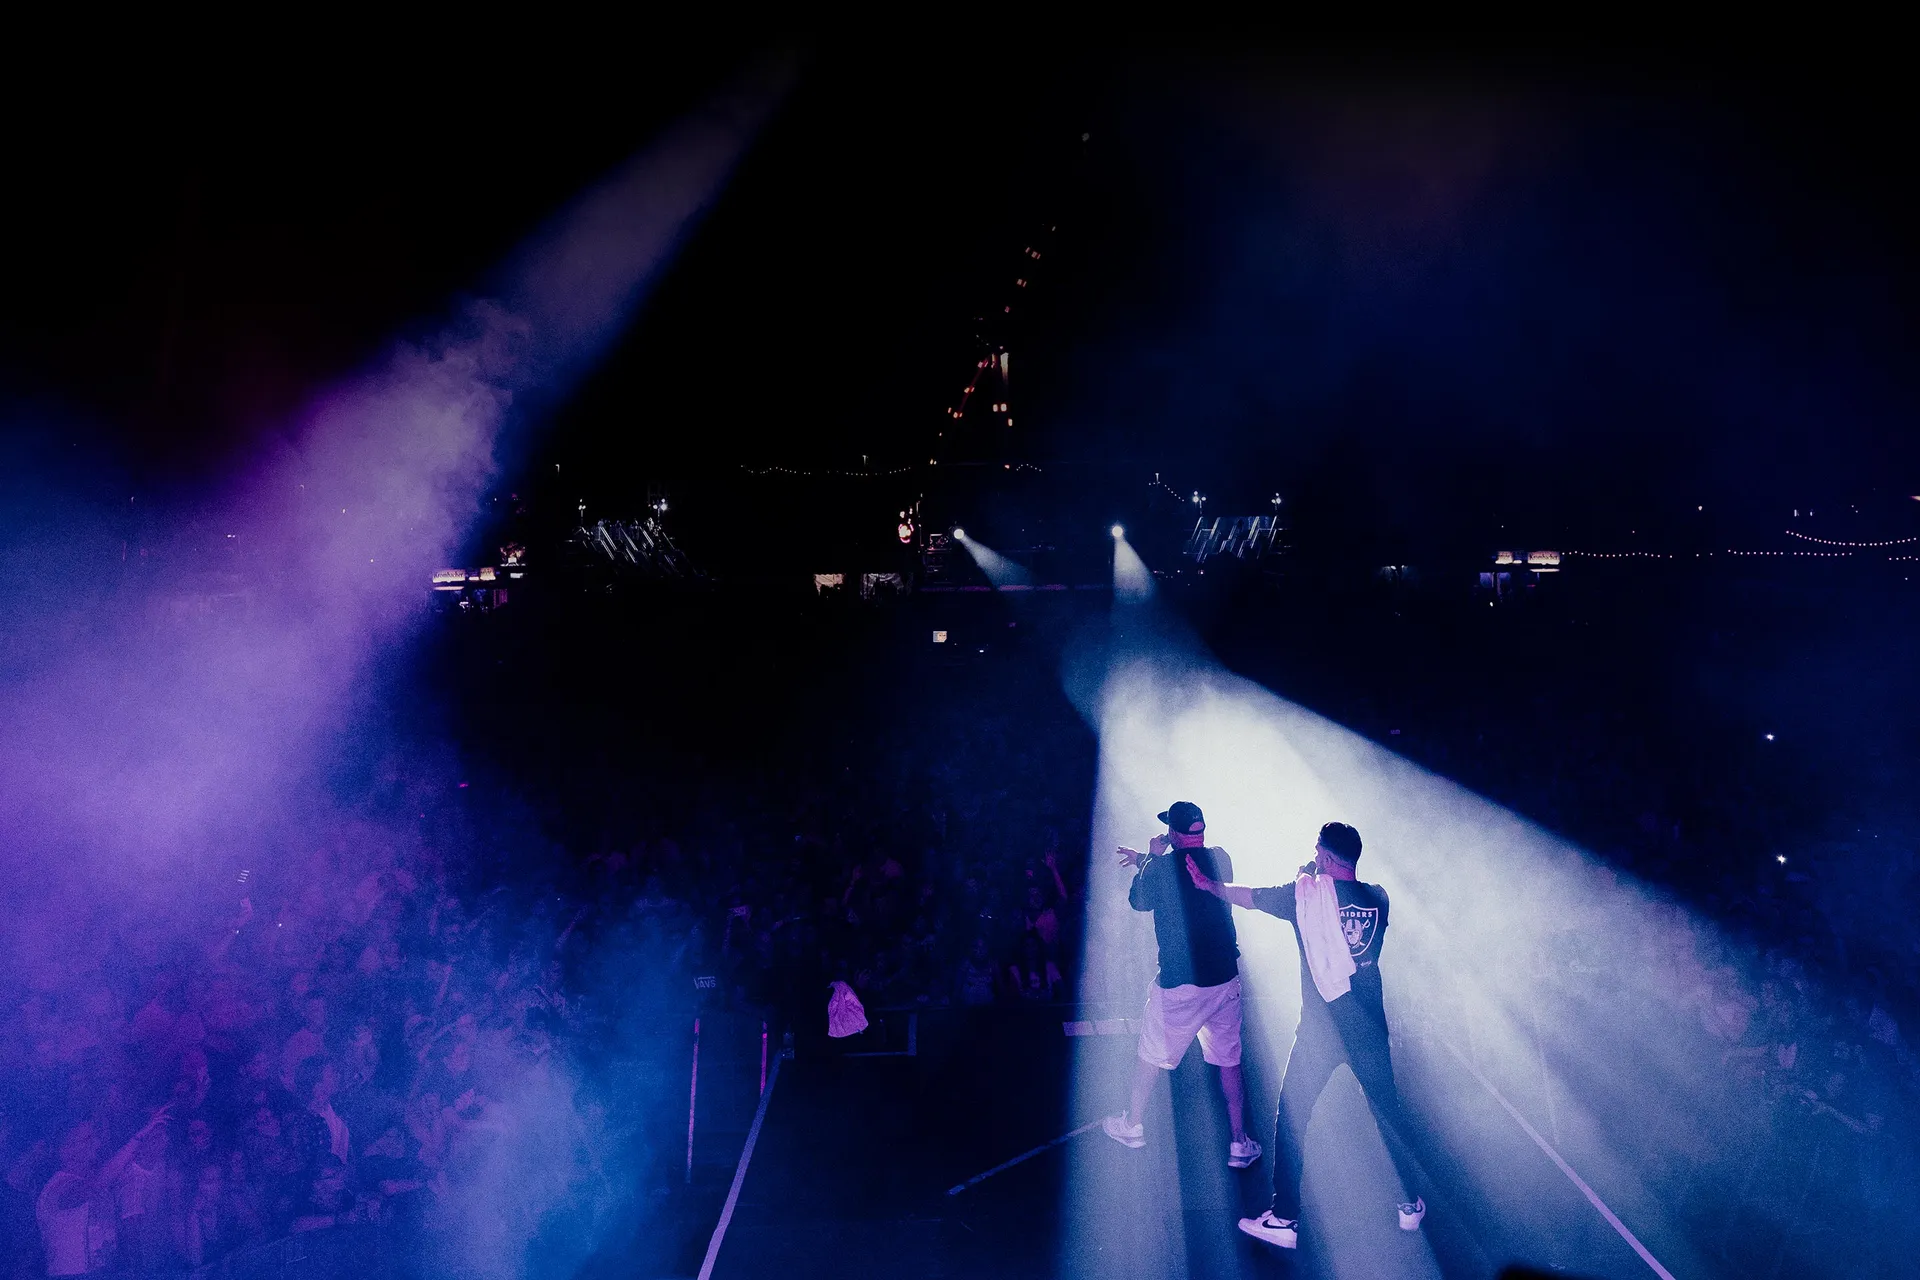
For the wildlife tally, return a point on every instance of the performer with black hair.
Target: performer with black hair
(1339, 923)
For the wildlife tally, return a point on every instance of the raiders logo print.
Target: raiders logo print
(1359, 924)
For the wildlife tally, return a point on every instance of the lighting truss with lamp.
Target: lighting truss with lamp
(1242, 537)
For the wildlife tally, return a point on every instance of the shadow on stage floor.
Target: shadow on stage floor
(854, 1167)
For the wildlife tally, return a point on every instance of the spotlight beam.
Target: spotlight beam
(1000, 571)
(194, 731)
(1478, 895)
(1132, 580)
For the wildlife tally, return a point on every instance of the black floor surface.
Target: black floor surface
(853, 1168)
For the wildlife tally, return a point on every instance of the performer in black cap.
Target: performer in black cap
(1340, 924)
(1197, 990)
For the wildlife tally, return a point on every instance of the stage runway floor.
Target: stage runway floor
(853, 1167)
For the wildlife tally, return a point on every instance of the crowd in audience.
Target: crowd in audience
(336, 1047)
(337, 1043)
(934, 878)
(1767, 951)
(179, 1087)
(1794, 1102)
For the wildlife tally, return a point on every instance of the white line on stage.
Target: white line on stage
(1004, 1165)
(1613, 1219)
(740, 1174)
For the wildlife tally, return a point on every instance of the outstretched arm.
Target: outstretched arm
(1052, 862)
(1239, 895)
(1138, 860)
(117, 1163)
(1138, 896)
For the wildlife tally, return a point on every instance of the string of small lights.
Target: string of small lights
(973, 385)
(1830, 542)
(1662, 555)
(795, 471)
(993, 363)
(996, 361)
(997, 357)
(869, 474)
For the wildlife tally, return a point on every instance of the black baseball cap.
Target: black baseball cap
(1183, 817)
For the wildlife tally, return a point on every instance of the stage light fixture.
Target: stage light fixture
(959, 534)
(1119, 532)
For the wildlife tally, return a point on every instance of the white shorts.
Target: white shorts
(1176, 1014)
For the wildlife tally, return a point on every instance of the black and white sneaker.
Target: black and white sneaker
(1282, 1233)
(1412, 1214)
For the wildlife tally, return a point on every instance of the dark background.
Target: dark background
(1432, 294)
(1442, 299)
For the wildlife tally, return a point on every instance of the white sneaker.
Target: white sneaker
(1242, 1154)
(1411, 1215)
(1123, 1133)
(1283, 1233)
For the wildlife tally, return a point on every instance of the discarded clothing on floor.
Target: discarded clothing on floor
(845, 1014)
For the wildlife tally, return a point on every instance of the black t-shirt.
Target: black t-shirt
(1363, 919)
(1194, 929)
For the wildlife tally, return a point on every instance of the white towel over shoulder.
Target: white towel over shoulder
(1316, 914)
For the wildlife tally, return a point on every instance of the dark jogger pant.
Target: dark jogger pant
(1347, 1033)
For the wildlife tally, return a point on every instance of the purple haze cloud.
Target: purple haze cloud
(185, 714)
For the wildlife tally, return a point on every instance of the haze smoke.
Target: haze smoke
(1577, 990)
(183, 722)
(196, 696)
